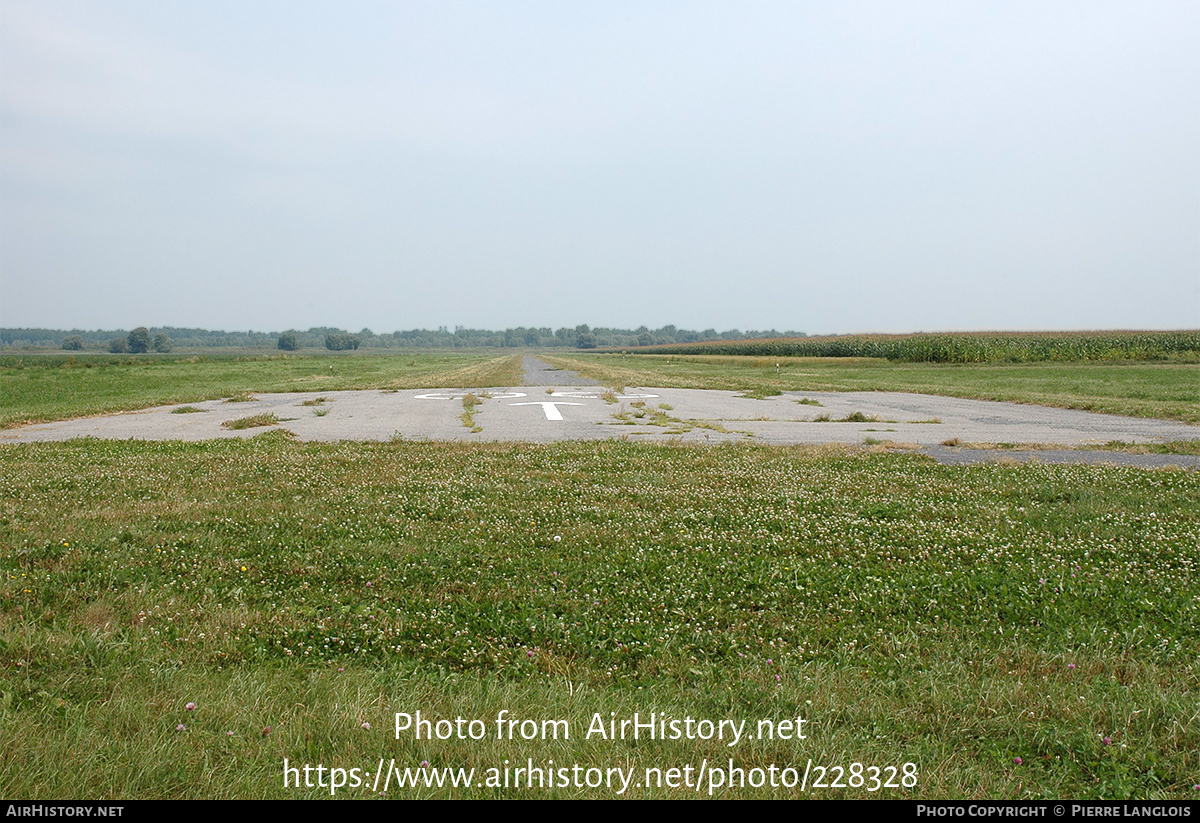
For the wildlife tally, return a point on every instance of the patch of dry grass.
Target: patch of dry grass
(266, 419)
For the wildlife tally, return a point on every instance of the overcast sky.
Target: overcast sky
(819, 166)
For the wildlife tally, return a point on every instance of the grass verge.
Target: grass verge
(954, 618)
(57, 387)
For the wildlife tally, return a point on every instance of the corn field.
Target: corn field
(1011, 347)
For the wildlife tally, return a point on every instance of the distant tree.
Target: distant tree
(287, 342)
(118, 345)
(73, 343)
(340, 341)
(139, 340)
(162, 343)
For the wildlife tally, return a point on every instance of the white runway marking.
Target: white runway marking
(550, 407)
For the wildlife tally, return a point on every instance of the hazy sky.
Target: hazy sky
(820, 166)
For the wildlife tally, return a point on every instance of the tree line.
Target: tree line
(145, 339)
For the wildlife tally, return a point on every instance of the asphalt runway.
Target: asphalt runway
(558, 405)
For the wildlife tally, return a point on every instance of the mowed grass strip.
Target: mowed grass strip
(39, 388)
(1167, 390)
(953, 618)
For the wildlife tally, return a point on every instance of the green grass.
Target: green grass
(955, 618)
(37, 388)
(254, 421)
(1173, 447)
(1191, 447)
(1163, 390)
(761, 393)
(470, 403)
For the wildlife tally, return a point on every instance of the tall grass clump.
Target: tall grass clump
(268, 419)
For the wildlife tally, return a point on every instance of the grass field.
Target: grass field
(38, 388)
(1011, 631)
(177, 620)
(1169, 390)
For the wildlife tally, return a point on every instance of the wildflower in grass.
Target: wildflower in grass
(341, 669)
(1107, 741)
(266, 731)
(229, 734)
(181, 728)
(1017, 761)
(558, 538)
(366, 725)
(1070, 665)
(529, 654)
(425, 764)
(191, 707)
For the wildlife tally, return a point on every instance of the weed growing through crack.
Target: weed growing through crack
(470, 402)
(852, 417)
(267, 419)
